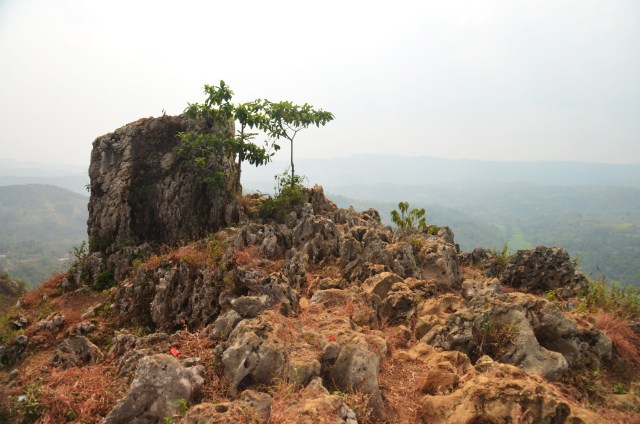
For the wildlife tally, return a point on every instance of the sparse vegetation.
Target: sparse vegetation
(494, 338)
(414, 218)
(289, 194)
(607, 297)
(103, 281)
(502, 258)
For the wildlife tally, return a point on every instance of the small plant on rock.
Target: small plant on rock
(414, 218)
(494, 338)
(502, 258)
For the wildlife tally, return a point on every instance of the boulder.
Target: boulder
(76, 351)
(542, 269)
(250, 406)
(160, 386)
(499, 394)
(14, 352)
(317, 237)
(514, 328)
(252, 354)
(356, 370)
(439, 261)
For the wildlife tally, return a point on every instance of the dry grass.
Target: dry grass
(80, 394)
(400, 383)
(48, 289)
(626, 343)
(284, 395)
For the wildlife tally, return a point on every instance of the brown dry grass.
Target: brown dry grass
(80, 394)
(400, 384)
(626, 343)
(48, 289)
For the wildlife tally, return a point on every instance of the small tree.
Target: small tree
(285, 120)
(409, 219)
(216, 111)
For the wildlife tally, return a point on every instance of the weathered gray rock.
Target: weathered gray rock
(170, 298)
(295, 268)
(250, 406)
(52, 323)
(515, 328)
(141, 191)
(380, 284)
(485, 259)
(542, 269)
(317, 237)
(356, 369)
(475, 288)
(439, 260)
(252, 354)
(398, 305)
(14, 352)
(160, 385)
(301, 369)
(223, 325)
(76, 351)
(317, 406)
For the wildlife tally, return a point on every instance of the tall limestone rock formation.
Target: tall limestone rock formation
(142, 193)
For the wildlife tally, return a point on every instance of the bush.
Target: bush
(603, 296)
(289, 195)
(414, 218)
(104, 281)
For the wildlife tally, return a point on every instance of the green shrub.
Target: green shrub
(602, 295)
(406, 218)
(104, 281)
(289, 195)
(502, 258)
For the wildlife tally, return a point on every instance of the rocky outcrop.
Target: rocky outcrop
(514, 328)
(317, 405)
(250, 406)
(542, 269)
(142, 192)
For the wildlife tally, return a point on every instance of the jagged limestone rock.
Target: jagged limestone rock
(542, 269)
(514, 328)
(252, 354)
(14, 352)
(160, 385)
(142, 192)
(76, 351)
(317, 406)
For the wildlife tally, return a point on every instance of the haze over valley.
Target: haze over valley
(593, 210)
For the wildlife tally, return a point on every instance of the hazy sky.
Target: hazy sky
(502, 80)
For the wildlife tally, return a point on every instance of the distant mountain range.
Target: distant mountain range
(422, 170)
(71, 177)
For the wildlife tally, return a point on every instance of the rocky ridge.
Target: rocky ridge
(316, 317)
(328, 316)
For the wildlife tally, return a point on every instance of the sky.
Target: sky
(474, 79)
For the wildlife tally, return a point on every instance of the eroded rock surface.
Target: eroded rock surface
(160, 385)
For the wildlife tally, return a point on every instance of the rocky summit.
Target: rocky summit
(189, 308)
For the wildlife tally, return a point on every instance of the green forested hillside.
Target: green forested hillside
(39, 225)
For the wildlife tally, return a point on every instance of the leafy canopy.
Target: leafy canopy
(276, 119)
(285, 120)
(217, 111)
